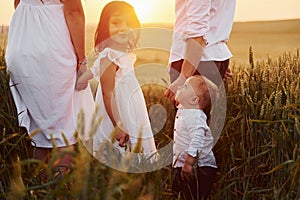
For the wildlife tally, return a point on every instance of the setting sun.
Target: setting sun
(144, 9)
(154, 11)
(163, 11)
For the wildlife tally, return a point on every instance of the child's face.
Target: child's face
(186, 93)
(119, 30)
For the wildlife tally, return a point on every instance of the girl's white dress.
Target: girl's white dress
(130, 102)
(42, 65)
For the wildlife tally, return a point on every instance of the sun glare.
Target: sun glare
(143, 9)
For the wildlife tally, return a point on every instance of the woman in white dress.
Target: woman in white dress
(119, 96)
(44, 55)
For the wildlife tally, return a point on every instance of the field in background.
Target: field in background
(268, 38)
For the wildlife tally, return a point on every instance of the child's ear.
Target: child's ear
(194, 100)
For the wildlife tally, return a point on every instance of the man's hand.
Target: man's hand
(171, 91)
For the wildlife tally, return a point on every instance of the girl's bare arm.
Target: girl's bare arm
(107, 81)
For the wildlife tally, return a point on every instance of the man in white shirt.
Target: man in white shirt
(199, 46)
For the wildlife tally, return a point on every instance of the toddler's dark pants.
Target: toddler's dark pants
(188, 186)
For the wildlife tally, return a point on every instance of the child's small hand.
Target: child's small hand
(187, 170)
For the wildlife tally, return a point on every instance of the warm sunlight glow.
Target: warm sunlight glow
(152, 11)
(148, 11)
(163, 11)
(144, 9)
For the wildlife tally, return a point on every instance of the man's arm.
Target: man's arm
(197, 27)
(194, 51)
(198, 16)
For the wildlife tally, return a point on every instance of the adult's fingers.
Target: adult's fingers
(228, 74)
(81, 86)
(169, 94)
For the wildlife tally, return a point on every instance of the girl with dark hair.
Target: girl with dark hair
(119, 94)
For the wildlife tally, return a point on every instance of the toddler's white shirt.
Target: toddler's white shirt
(192, 134)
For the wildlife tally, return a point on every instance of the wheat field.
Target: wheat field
(257, 154)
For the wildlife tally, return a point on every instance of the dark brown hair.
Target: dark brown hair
(102, 31)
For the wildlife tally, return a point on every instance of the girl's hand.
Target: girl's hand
(123, 138)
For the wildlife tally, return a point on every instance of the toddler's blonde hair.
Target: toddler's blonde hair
(207, 92)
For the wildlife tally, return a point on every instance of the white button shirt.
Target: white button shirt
(192, 134)
(211, 19)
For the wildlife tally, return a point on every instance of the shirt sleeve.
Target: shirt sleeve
(197, 142)
(198, 17)
(198, 132)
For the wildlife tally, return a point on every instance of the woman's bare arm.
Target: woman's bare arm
(75, 19)
(16, 3)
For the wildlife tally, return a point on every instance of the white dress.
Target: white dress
(130, 102)
(42, 65)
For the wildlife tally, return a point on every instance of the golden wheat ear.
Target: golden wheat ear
(138, 147)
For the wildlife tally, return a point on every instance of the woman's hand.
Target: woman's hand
(83, 77)
(80, 83)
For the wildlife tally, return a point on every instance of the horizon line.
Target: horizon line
(172, 24)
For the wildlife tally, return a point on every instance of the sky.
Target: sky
(162, 11)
